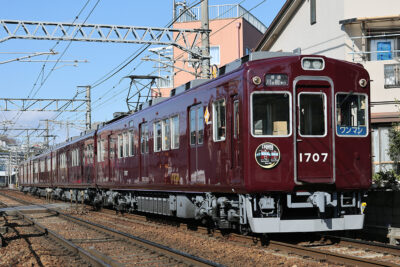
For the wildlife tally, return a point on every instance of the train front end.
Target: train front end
(309, 144)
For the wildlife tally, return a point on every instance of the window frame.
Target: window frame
(325, 114)
(131, 143)
(219, 55)
(164, 135)
(290, 113)
(389, 86)
(366, 115)
(214, 119)
(144, 135)
(173, 145)
(156, 136)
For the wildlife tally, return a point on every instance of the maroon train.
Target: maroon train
(276, 143)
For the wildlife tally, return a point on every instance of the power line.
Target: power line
(18, 115)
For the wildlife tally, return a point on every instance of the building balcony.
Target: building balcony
(228, 11)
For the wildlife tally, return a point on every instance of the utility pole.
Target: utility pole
(88, 106)
(46, 138)
(88, 109)
(205, 41)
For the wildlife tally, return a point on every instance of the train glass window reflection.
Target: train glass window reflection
(351, 114)
(193, 126)
(219, 120)
(157, 136)
(175, 132)
(166, 134)
(312, 114)
(236, 118)
(271, 114)
(200, 126)
(120, 146)
(131, 144)
(126, 144)
(144, 138)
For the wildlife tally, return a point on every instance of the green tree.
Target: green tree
(394, 146)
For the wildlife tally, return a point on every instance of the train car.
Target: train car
(277, 143)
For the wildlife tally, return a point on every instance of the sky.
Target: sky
(36, 80)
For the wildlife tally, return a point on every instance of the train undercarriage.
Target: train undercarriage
(256, 213)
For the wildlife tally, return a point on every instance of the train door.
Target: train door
(314, 135)
(111, 159)
(144, 151)
(235, 140)
(196, 136)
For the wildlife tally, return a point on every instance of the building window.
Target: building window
(214, 54)
(382, 49)
(313, 12)
(175, 132)
(392, 75)
(219, 120)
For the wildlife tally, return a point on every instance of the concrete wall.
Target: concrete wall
(324, 37)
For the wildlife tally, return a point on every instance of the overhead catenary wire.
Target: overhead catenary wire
(41, 73)
(212, 33)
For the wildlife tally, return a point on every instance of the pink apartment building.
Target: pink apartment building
(234, 33)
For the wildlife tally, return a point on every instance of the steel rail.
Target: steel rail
(374, 246)
(95, 261)
(301, 250)
(179, 256)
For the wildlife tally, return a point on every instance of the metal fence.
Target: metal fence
(223, 12)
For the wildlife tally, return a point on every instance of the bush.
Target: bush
(387, 179)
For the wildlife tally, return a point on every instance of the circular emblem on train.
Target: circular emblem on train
(267, 155)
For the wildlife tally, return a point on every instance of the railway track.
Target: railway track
(319, 252)
(103, 246)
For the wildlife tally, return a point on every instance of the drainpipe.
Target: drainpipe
(238, 25)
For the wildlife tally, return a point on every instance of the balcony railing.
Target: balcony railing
(375, 47)
(223, 12)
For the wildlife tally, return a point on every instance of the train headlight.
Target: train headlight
(276, 79)
(311, 63)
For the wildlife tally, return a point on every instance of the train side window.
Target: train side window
(166, 134)
(200, 126)
(157, 136)
(219, 120)
(144, 138)
(131, 143)
(98, 151)
(312, 114)
(193, 126)
(270, 113)
(120, 146)
(125, 142)
(351, 114)
(175, 132)
(236, 119)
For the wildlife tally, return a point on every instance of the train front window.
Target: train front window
(271, 114)
(351, 114)
(312, 114)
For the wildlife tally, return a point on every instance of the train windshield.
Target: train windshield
(270, 114)
(351, 114)
(312, 114)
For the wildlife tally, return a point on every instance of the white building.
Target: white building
(362, 31)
